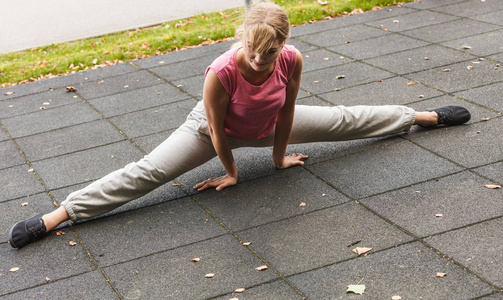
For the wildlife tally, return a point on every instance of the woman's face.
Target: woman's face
(262, 61)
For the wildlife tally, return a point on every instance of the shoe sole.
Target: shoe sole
(11, 242)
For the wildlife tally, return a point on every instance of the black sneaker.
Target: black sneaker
(452, 115)
(27, 231)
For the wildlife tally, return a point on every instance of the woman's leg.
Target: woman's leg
(340, 123)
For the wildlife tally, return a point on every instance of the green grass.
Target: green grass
(64, 58)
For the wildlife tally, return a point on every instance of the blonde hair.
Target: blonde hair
(265, 24)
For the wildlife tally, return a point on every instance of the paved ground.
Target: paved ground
(55, 21)
(418, 199)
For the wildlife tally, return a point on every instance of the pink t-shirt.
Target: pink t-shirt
(252, 109)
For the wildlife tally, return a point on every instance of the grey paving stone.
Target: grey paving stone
(277, 290)
(50, 119)
(40, 203)
(488, 96)
(148, 142)
(412, 21)
(192, 86)
(90, 285)
(470, 8)
(139, 99)
(320, 238)
(461, 199)
(51, 257)
(18, 182)
(379, 170)
(498, 296)
(153, 120)
(312, 101)
(470, 145)
(408, 271)
(342, 35)
(495, 17)
(33, 103)
(117, 84)
(3, 136)
(232, 263)
(86, 165)
(378, 46)
(183, 55)
(9, 155)
(146, 231)
(476, 247)
(185, 69)
(460, 77)
(76, 80)
(450, 30)
(69, 139)
(320, 59)
(426, 4)
(497, 58)
(481, 44)
(283, 195)
(322, 81)
(301, 46)
(419, 59)
(392, 91)
(493, 172)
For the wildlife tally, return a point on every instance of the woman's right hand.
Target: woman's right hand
(218, 182)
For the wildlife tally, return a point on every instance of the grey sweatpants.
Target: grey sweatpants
(190, 146)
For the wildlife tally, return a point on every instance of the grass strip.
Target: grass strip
(64, 58)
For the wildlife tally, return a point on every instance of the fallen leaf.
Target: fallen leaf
(176, 184)
(466, 47)
(126, 86)
(240, 290)
(30, 170)
(71, 89)
(485, 119)
(439, 215)
(446, 70)
(361, 250)
(396, 298)
(302, 204)
(410, 83)
(327, 58)
(209, 275)
(60, 233)
(246, 243)
(47, 279)
(340, 76)
(234, 299)
(469, 67)
(9, 93)
(396, 21)
(440, 274)
(197, 259)
(15, 269)
(421, 96)
(356, 288)
(24, 204)
(322, 2)
(262, 268)
(493, 186)
(426, 58)
(72, 243)
(337, 89)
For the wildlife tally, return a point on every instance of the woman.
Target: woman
(249, 101)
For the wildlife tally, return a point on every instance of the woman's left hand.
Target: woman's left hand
(295, 159)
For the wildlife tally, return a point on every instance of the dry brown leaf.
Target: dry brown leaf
(446, 70)
(327, 58)
(340, 76)
(240, 290)
(60, 233)
(410, 83)
(209, 275)
(246, 243)
(71, 89)
(262, 268)
(469, 67)
(9, 93)
(302, 204)
(30, 170)
(47, 279)
(15, 269)
(485, 119)
(397, 297)
(493, 186)
(439, 215)
(72, 243)
(197, 259)
(440, 274)
(361, 250)
(24, 204)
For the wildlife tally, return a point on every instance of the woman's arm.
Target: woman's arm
(284, 122)
(216, 100)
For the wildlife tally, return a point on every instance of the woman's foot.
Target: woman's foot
(447, 115)
(27, 231)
